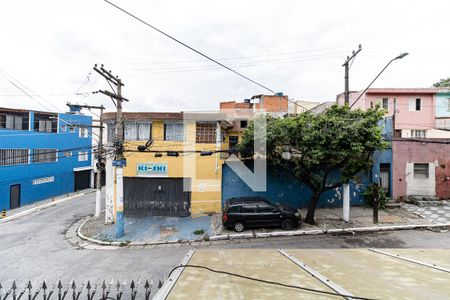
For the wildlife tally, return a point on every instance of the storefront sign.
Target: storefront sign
(152, 169)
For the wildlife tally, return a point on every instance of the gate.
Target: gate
(14, 196)
(156, 196)
(82, 180)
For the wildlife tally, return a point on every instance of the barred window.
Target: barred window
(173, 131)
(418, 134)
(205, 133)
(44, 155)
(10, 157)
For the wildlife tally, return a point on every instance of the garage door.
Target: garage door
(156, 196)
(82, 180)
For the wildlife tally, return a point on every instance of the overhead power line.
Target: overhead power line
(197, 51)
(189, 47)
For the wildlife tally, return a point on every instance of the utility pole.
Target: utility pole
(119, 161)
(98, 203)
(346, 77)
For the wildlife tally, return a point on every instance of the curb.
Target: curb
(43, 206)
(103, 243)
(262, 234)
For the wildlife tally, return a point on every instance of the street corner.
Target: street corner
(148, 230)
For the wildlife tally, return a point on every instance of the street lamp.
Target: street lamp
(398, 57)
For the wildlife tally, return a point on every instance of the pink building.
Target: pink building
(420, 151)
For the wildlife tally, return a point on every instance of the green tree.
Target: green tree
(314, 146)
(442, 83)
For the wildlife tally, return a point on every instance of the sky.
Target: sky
(48, 49)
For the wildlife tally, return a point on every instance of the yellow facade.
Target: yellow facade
(205, 172)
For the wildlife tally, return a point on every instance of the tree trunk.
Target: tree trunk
(312, 208)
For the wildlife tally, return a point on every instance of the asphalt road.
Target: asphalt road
(34, 247)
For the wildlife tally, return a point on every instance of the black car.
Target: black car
(241, 213)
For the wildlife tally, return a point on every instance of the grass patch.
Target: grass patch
(199, 231)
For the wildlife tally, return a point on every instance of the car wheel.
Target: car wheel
(238, 227)
(287, 224)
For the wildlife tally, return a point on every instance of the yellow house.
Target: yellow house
(172, 164)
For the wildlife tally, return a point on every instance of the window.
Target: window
(16, 121)
(72, 129)
(265, 209)
(173, 131)
(111, 132)
(249, 209)
(421, 170)
(415, 104)
(421, 134)
(68, 154)
(244, 123)
(83, 156)
(234, 209)
(83, 132)
(10, 157)
(137, 131)
(371, 104)
(45, 122)
(205, 133)
(63, 128)
(44, 155)
(385, 103)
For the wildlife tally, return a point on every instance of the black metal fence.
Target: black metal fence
(115, 290)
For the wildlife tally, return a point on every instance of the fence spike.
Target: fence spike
(74, 286)
(146, 285)
(29, 286)
(132, 285)
(44, 285)
(160, 284)
(118, 285)
(14, 286)
(88, 286)
(103, 285)
(60, 286)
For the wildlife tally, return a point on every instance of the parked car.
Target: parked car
(251, 212)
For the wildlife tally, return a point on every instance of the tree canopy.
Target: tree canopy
(312, 146)
(442, 83)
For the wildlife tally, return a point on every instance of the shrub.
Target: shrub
(375, 189)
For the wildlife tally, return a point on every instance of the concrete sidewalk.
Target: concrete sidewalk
(150, 229)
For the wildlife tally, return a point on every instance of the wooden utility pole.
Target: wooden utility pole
(119, 161)
(98, 203)
(346, 76)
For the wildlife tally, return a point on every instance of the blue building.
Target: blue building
(42, 155)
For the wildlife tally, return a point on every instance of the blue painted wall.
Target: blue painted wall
(283, 188)
(62, 169)
(442, 107)
(384, 156)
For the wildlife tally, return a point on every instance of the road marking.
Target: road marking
(335, 287)
(434, 266)
(170, 283)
